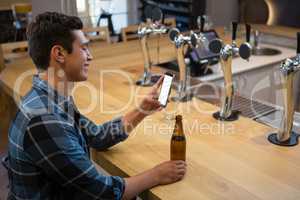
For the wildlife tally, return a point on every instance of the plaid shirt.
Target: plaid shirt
(49, 144)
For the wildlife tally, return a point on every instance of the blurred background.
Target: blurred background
(117, 14)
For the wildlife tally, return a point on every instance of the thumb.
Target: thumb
(158, 83)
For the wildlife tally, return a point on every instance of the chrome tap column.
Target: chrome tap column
(145, 29)
(285, 136)
(181, 43)
(146, 78)
(227, 52)
(226, 103)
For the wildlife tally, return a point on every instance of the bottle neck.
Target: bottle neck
(178, 130)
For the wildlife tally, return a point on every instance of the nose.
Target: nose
(89, 55)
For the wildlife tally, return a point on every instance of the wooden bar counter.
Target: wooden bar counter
(225, 160)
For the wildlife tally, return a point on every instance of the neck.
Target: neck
(58, 81)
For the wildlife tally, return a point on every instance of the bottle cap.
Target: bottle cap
(178, 117)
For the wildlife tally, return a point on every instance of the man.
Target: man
(49, 138)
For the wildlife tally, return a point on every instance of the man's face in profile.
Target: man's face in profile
(77, 63)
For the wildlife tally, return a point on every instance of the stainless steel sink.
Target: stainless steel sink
(261, 51)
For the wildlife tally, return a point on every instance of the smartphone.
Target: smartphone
(165, 89)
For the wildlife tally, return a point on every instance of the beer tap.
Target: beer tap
(199, 39)
(151, 28)
(288, 68)
(145, 29)
(227, 52)
(202, 23)
(181, 42)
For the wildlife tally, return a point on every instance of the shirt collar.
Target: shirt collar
(65, 102)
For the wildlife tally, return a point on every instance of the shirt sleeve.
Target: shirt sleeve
(105, 135)
(54, 146)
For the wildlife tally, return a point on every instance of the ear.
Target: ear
(58, 54)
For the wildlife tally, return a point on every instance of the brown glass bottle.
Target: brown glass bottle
(178, 142)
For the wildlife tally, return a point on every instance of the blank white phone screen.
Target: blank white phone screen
(165, 90)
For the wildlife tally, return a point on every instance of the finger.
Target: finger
(157, 109)
(179, 177)
(179, 162)
(155, 96)
(160, 108)
(154, 102)
(180, 168)
(181, 172)
(158, 83)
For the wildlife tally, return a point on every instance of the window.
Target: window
(118, 9)
(81, 6)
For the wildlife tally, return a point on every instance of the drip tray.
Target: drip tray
(248, 108)
(251, 108)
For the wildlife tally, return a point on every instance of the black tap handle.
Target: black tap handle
(202, 23)
(215, 46)
(148, 12)
(248, 32)
(173, 33)
(298, 43)
(234, 29)
(157, 14)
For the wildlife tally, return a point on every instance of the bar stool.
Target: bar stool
(97, 33)
(22, 13)
(106, 15)
(130, 32)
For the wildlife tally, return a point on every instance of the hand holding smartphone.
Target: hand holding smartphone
(165, 89)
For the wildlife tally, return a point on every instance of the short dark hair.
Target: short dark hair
(49, 29)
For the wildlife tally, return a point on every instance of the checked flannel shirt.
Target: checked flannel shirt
(48, 151)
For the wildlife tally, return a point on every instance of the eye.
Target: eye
(85, 48)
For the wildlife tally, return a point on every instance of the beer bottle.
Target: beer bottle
(178, 142)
